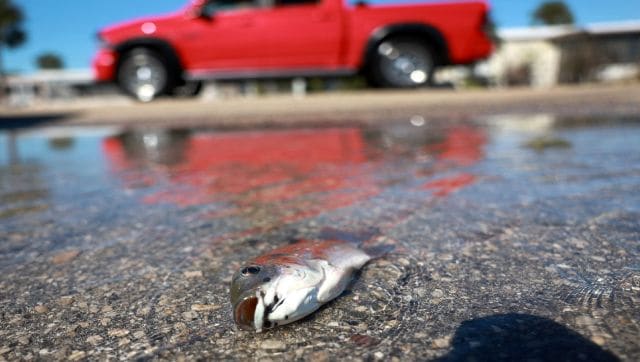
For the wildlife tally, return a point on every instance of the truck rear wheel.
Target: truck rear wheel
(143, 74)
(402, 62)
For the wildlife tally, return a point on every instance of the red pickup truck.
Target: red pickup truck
(392, 45)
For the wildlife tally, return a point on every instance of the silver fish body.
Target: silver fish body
(292, 282)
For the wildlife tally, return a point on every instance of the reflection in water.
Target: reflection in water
(463, 145)
(277, 176)
(551, 233)
(12, 147)
(150, 147)
(445, 186)
(61, 143)
(23, 188)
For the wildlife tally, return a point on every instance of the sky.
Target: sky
(68, 27)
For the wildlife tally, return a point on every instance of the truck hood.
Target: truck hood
(141, 27)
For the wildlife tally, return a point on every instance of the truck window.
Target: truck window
(213, 6)
(295, 2)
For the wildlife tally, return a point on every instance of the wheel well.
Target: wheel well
(428, 35)
(161, 47)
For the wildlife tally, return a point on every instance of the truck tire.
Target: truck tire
(402, 62)
(144, 74)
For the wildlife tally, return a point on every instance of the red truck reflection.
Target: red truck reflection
(463, 146)
(286, 175)
(392, 45)
(302, 169)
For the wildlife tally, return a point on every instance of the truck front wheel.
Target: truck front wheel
(143, 74)
(402, 62)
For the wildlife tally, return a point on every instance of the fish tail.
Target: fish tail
(378, 251)
(358, 237)
(363, 239)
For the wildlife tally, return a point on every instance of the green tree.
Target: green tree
(49, 61)
(552, 13)
(11, 32)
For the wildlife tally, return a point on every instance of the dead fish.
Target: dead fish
(293, 281)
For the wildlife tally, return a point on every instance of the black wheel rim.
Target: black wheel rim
(404, 64)
(144, 76)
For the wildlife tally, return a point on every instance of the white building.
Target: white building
(548, 55)
(47, 84)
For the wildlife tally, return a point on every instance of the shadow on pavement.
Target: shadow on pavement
(18, 122)
(521, 337)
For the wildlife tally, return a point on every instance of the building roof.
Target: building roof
(552, 32)
(537, 32)
(630, 26)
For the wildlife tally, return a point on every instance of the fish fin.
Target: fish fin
(358, 237)
(378, 251)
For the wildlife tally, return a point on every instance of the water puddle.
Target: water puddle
(537, 213)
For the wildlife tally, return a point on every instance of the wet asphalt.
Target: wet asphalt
(515, 239)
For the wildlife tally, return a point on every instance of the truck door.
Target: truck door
(228, 35)
(304, 33)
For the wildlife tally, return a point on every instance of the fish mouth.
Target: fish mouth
(251, 313)
(245, 311)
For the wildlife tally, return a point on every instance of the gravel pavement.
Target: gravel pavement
(516, 238)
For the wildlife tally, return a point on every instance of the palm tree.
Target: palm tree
(552, 13)
(11, 31)
(49, 61)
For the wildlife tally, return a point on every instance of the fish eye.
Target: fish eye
(250, 270)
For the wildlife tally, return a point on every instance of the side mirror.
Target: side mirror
(200, 12)
(206, 12)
